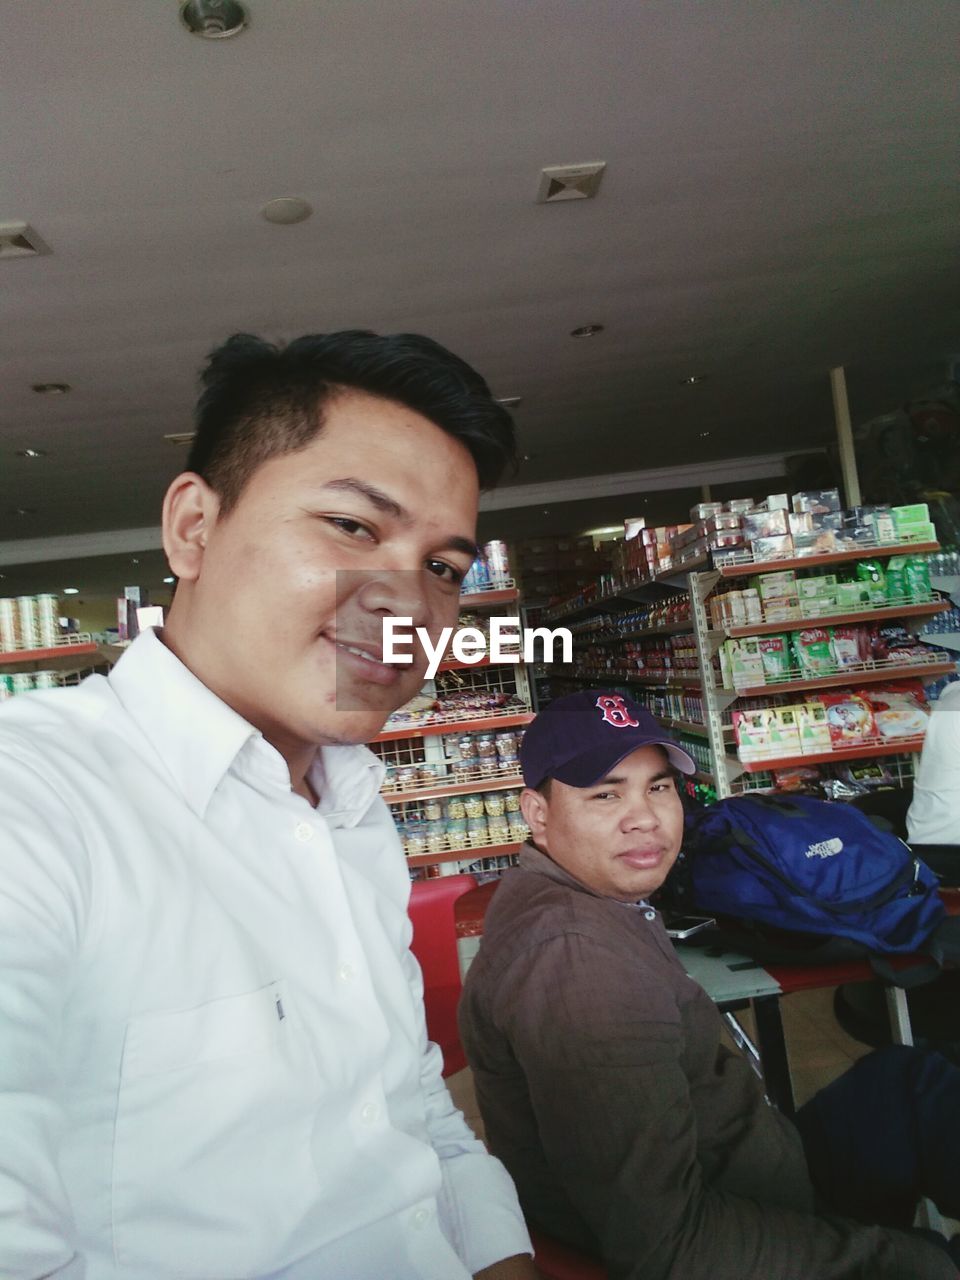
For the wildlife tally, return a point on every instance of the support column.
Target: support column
(848, 460)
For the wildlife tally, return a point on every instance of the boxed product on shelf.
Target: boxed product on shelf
(776, 656)
(779, 547)
(818, 542)
(766, 732)
(813, 729)
(899, 710)
(849, 717)
(764, 524)
(813, 652)
(816, 500)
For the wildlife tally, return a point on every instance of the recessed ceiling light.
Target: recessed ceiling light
(586, 331)
(179, 437)
(704, 434)
(31, 453)
(51, 388)
(692, 380)
(607, 528)
(511, 402)
(167, 581)
(286, 210)
(71, 591)
(134, 560)
(213, 19)
(24, 511)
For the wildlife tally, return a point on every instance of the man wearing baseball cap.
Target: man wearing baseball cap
(629, 1129)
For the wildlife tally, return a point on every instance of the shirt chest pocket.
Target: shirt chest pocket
(212, 1164)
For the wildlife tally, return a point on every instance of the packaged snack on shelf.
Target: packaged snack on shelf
(873, 574)
(813, 728)
(813, 652)
(776, 656)
(778, 585)
(704, 510)
(900, 710)
(819, 542)
(817, 500)
(799, 522)
(740, 505)
(867, 775)
(797, 777)
(851, 645)
(753, 731)
(850, 719)
(786, 730)
(880, 520)
(764, 524)
(851, 596)
(892, 642)
(773, 548)
(745, 661)
(918, 578)
(777, 502)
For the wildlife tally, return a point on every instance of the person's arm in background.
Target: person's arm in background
(44, 894)
(478, 1198)
(602, 1060)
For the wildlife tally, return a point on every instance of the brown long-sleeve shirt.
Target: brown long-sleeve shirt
(626, 1124)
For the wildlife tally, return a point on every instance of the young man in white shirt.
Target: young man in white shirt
(213, 1058)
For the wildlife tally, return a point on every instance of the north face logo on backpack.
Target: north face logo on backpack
(825, 849)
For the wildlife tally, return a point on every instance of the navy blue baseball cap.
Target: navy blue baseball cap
(579, 738)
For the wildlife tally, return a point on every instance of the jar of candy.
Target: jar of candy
(454, 808)
(408, 775)
(486, 746)
(506, 744)
(511, 801)
(476, 831)
(518, 828)
(427, 773)
(467, 747)
(462, 770)
(432, 809)
(473, 806)
(493, 804)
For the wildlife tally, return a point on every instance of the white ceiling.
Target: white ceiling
(780, 197)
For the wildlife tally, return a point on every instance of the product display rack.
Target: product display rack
(426, 745)
(732, 773)
(726, 771)
(77, 652)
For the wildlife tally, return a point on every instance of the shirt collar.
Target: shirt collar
(199, 739)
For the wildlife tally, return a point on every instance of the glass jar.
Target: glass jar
(467, 747)
(436, 836)
(473, 806)
(432, 809)
(499, 830)
(457, 833)
(416, 841)
(486, 746)
(493, 804)
(476, 831)
(408, 775)
(462, 770)
(506, 745)
(454, 808)
(518, 828)
(511, 801)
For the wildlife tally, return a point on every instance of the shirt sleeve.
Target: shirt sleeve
(479, 1209)
(43, 900)
(603, 1064)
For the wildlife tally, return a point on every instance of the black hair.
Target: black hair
(260, 400)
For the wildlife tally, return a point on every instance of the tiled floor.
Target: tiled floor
(819, 1050)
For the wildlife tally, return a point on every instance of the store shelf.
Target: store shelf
(494, 782)
(61, 657)
(626, 675)
(629, 591)
(743, 568)
(462, 855)
(863, 751)
(924, 609)
(478, 723)
(852, 676)
(483, 599)
(642, 633)
(694, 727)
(485, 661)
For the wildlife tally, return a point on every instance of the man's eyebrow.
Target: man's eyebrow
(615, 780)
(389, 506)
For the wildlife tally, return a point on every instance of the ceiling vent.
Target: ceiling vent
(19, 240)
(570, 182)
(180, 437)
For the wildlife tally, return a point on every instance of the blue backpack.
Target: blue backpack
(810, 867)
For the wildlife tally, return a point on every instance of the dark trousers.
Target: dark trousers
(886, 1133)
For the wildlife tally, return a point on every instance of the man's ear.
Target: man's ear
(533, 806)
(190, 511)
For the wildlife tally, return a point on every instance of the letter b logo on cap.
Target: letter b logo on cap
(614, 711)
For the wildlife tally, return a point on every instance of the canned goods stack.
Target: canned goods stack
(29, 622)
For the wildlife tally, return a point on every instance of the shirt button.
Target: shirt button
(303, 831)
(369, 1112)
(345, 972)
(420, 1218)
(650, 915)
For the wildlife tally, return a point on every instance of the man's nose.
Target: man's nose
(640, 815)
(401, 592)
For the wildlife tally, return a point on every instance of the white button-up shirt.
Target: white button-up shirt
(213, 1056)
(934, 815)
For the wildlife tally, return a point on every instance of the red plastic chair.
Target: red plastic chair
(435, 946)
(561, 1262)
